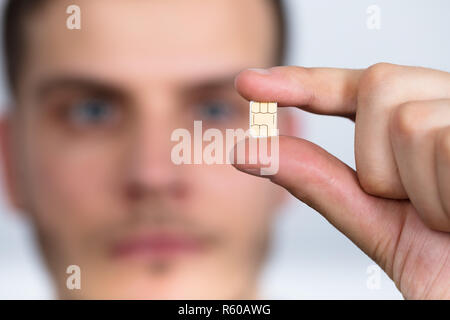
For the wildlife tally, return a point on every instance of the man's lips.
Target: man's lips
(158, 245)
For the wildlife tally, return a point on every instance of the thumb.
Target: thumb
(329, 186)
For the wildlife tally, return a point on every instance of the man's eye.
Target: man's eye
(91, 112)
(215, 110)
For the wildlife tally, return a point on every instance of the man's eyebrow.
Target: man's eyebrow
(213, 83)
(92, 85)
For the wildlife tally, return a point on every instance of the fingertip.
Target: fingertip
(249, 83)
(284, 85)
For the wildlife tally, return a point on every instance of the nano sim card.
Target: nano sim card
(263, 119)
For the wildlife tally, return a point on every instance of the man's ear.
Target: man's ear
(8, 164)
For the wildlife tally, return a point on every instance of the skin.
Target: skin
(86, 186)
(396, 205)
(92, 178)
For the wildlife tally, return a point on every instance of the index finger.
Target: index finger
(328, 91)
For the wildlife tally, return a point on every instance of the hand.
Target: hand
(396, 206)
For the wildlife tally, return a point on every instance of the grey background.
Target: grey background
(310, 259)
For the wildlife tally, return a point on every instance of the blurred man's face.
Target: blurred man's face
(96, 109)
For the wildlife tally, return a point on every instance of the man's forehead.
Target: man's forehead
(169, 38)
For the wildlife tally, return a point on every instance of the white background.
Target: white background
(310, 259)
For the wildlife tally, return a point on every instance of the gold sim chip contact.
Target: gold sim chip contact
(263, 119)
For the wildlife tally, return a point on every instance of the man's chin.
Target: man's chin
(154, 280)
(160, 281)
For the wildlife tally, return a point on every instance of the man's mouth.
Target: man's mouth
(158, 245)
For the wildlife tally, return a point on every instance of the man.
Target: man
(87, 150)
(88, 143)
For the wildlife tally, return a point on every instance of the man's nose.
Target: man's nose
(150, 171)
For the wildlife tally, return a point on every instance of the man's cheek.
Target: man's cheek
(244, 220)
(70, 189)
(71, 207)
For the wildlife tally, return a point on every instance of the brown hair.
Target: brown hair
(16, 12)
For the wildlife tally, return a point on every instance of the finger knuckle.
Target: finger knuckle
(437, 222)
(377, 79)
(377, 184)
(408, 119)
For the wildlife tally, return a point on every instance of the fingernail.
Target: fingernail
(260, 71)
(252, 171)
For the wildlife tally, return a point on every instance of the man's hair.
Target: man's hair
(16, 13)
